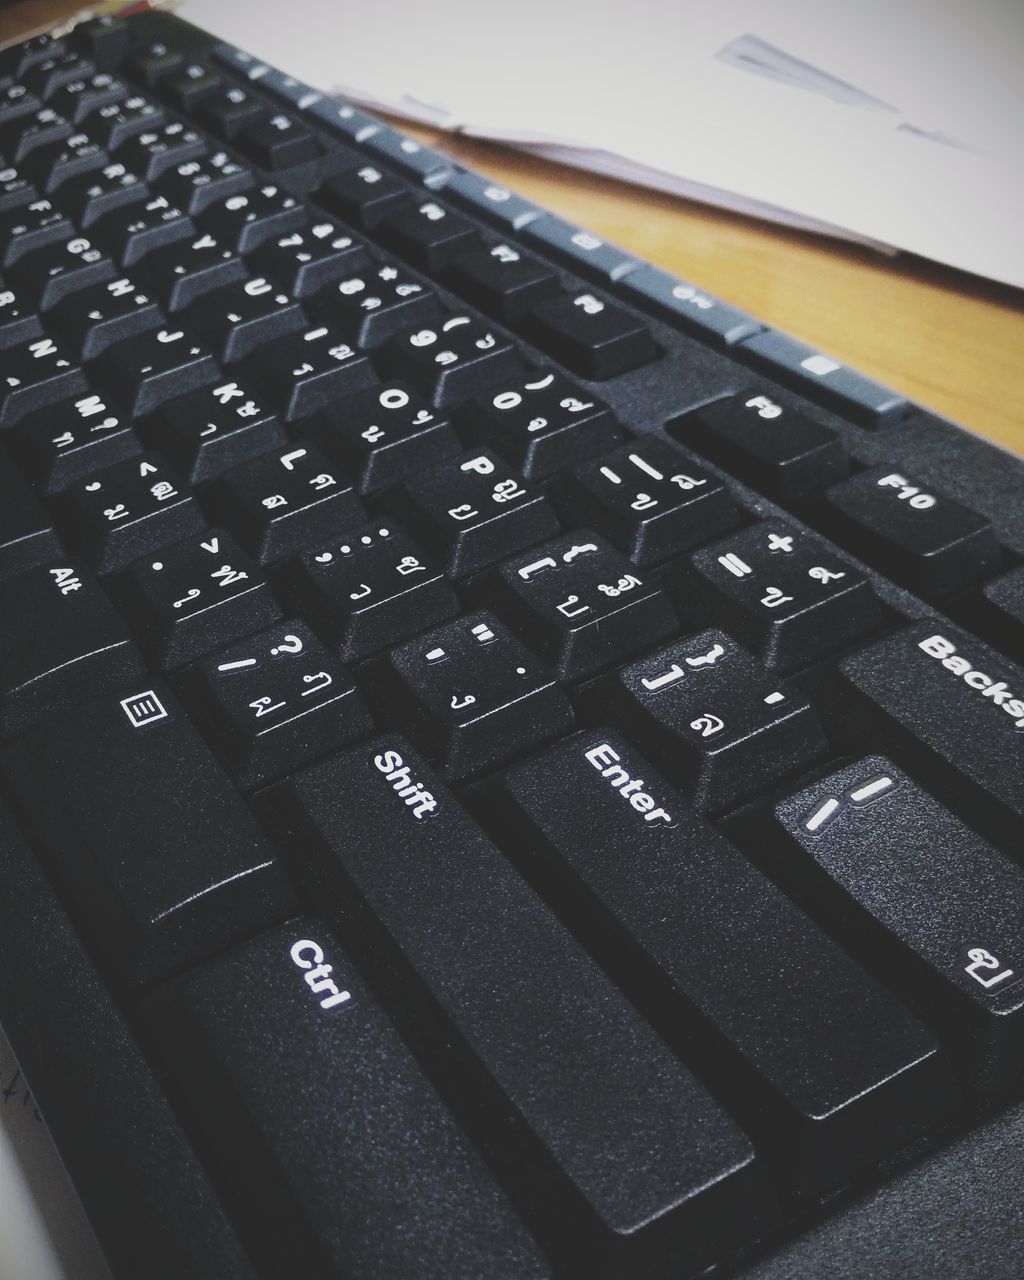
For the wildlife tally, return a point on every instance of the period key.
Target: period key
(712, 951)
(604, 1131)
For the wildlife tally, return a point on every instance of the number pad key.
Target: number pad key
(72, 439)
(649, 499)
(581, 604)
(452, 361)
(205, 432)
(471, 696)
(285, 501)
(473, 510)
(780, 591)
(914, 533)
(274, 702)
(189, 598)
(541, 425)
(369, 589)
(127, 510)
(709, 715)
(384, 433)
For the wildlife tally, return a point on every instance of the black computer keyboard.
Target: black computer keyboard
(512, 768)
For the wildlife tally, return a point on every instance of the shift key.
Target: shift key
(952, 710)
(158, 855)
(604, 1132)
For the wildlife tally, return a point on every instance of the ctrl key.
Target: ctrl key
(343, 1159)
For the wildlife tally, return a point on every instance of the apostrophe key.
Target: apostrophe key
(705, 943)
(385, 1147)
(473, 510)
(939, 911)
(709, 714)
(131, 508)
(274, 702)
(540, 424)
(780, 590)
(581, 604)
(193, 596)
(597, 1124)
(161, 876)
(471, 695)
(649, 499)
(369, 589)
(285, 501)
(68, 641)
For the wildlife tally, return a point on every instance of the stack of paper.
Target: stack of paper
(898, 125)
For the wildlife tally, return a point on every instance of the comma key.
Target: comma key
(940, 909)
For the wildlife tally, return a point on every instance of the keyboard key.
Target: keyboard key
(408, 156)
(191, 597)
(458, 358)
(285, 501)
(185, 271)
(595, 338)
(105, 39)
(312, 257)
(273, 702)
(18, 323)
(196, 183)
(99, 317)
(783, 593)
(894, 871)
(581, 604)
(913, 533)
(243, 221)
(649, 499)
(63, 267)
(186, 89)
(596, 1089)
(311, 370)
(161, 875)
(342, 120)
(377, 305)
(779, 450)
(157, 365)
(206, 431)
(540, 425)
(384, 1150)
(133, 230)
(240, 317)
(67, 643)
(51, 166)
(93, 195)
(28, 227)
(490, 201)
(473, 510)
(822, 378)
(471, 696)
(697, 936)
(709, 715)
(15, 189)
(26, 532)
(503, 281)
(228, 110)
(113, 124)
(61, 68)
(369, 589)
(71, 439)
(24, 135)
(36, 373)
(276, 142)
(972, 753)
(581, 250)
(127, 510)
(383, 433)
(78, 99)
(363, 196)
(155, 151)
(427, 234)
(151, 63)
